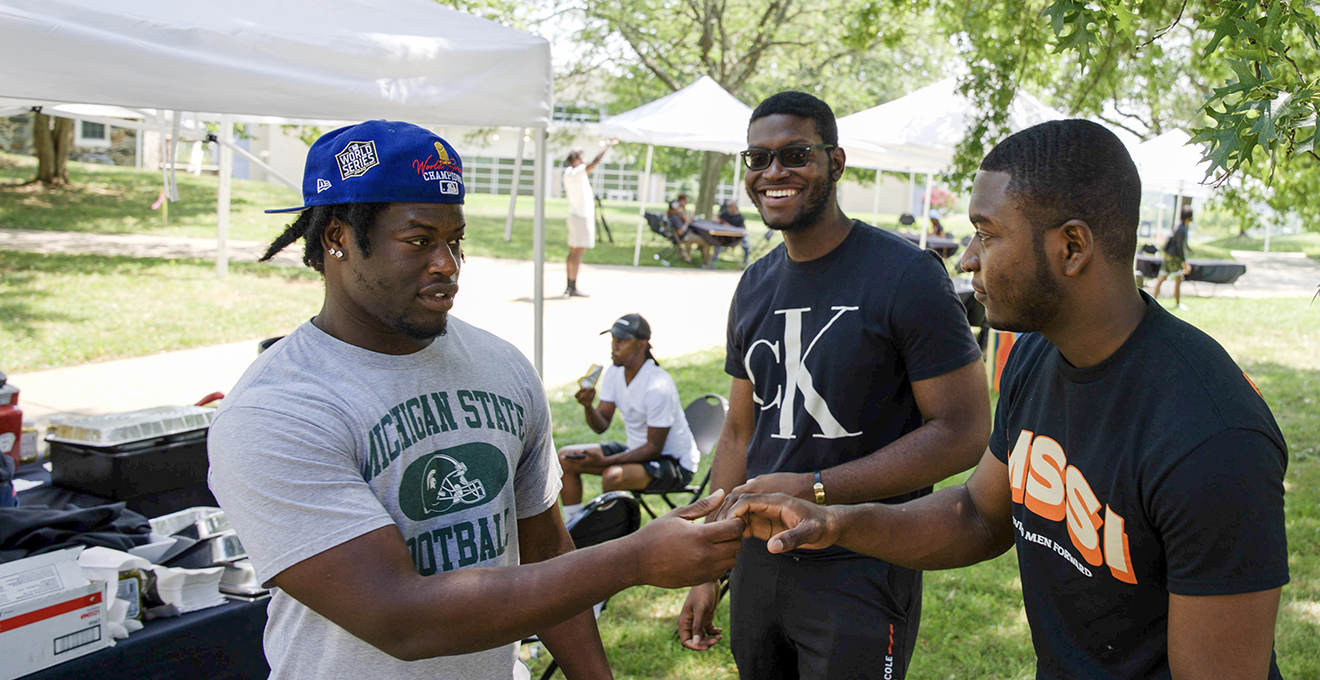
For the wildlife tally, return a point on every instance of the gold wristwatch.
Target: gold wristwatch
(819, 488)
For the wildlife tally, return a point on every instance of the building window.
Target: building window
(92, 134)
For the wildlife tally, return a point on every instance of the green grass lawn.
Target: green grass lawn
(106, 199)
(61, 310)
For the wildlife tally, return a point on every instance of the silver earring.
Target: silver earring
(337, 253)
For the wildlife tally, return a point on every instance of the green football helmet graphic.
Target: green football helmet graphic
(445, 485)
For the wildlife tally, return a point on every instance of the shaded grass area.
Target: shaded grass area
(61, 310)
(107, 199)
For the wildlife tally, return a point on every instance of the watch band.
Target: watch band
(819, 488)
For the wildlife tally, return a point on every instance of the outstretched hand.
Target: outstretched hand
(675, 552)
(783, 522)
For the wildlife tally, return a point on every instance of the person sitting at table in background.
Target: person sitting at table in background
(390, 469)
(681, 221)
(1175, 265)
(936, 229)
(660, 454)
(729, 215)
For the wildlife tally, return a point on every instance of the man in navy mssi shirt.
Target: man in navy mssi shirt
(1135, 467)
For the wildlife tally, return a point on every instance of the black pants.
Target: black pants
(821, 616)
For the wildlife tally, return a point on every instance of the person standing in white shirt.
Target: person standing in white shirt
(581, 213)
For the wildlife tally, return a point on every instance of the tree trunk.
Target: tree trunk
(52, 149)
(711, 165)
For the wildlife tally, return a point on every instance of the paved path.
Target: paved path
(687, 308)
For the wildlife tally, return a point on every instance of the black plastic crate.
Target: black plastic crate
(141, 472)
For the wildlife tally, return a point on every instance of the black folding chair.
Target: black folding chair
(660, 225)
(705, 417)
(611, 515)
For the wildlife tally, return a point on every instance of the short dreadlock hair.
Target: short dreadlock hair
(1074, 169)
(311, 224)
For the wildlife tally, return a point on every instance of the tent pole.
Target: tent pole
(538, 256)
(912, 186)
(925, 211)
(513, 193)
(737, 172)
(641, 211)
(875, 201)
(222, 210)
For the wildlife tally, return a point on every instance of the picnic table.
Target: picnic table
(946, 247)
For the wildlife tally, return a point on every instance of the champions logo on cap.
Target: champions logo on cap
(441, 168)
(381, 161)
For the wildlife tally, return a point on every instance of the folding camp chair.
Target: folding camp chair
(705, 417)
(611, 515)
(660, 225)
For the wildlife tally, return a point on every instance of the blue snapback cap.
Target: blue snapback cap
(381, 161)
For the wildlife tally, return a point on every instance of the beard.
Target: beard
(818, 199)
(1035, 304)
(418, 331)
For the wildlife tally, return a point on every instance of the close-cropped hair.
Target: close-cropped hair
(802, 105)
(311, 224)
(1074, 169)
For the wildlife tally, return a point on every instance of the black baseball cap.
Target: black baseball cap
(630, 326)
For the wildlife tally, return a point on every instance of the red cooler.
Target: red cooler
(11, 420)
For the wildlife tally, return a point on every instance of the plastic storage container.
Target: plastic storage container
(154, 459)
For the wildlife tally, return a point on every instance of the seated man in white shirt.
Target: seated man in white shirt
(661, 453)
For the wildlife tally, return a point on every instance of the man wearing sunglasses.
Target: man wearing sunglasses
(855, 378)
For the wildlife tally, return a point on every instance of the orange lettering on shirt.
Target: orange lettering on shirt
(1083, 516)
(1018, 464)
(1045, 486)
(1116, 548)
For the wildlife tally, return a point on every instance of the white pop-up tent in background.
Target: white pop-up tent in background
(323, 60)
(702, 116)
(918, 132)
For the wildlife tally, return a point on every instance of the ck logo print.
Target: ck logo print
(356, 159)
(797, 377)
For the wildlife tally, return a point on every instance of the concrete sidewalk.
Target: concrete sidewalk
(687, 308)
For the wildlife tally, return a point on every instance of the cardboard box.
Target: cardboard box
(49, 613)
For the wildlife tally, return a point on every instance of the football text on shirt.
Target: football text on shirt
(1046, 485)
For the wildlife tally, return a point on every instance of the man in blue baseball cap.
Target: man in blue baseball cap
(389, 468)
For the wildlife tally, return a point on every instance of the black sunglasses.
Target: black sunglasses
(794, 156)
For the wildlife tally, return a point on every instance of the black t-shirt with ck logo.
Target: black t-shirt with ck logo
(833, 345)
(1158, 471)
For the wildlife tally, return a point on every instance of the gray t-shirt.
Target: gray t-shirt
(321, 442)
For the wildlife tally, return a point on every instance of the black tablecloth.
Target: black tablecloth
(1210, 271)
(220, 643)
(946, 247)
(154, 505)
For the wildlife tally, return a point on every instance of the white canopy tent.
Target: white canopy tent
(1171, 165)
(702, 116)
(348, 60)
(918, 132)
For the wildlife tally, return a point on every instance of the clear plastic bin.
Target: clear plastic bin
(132, 426)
